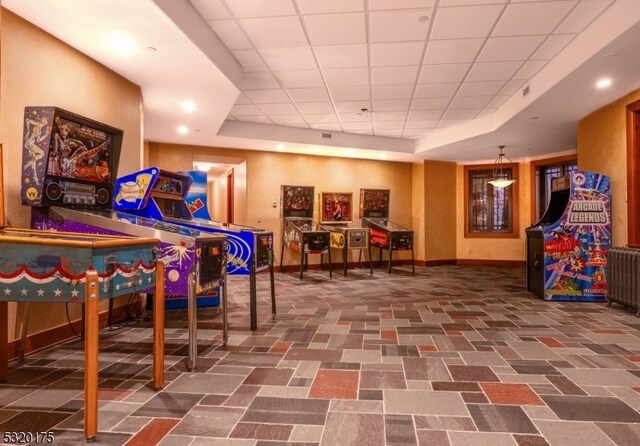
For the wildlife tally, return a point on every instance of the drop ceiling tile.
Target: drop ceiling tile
(493, 71)
(345, 77)
(380, 5)
(353, 126)
(414, 133)
(390, 105)
(301, 125)
(242, 99)
(298, 58)
(398, 26)
(391, 91)
(422, 123)
(512, 87)
(230, 33)
(488, 88)
(300, 78)
(430, 103)
(329, 6)
(259, 80)
(385, 116)
(326, 126)
(354, 117)
(278, 109)
(428, 115)
(211, 9)
(250, 60)
(271, 96)
(342, 94)
(351, 106)
(497, 101)
(446, 3)
(388, 125)
(452, 51)
(336, 29)
(261, 119)
(552, 46)
(322, 118)
(499, 49)
(389, 133)
(439, 90)
(393, 75)
(532, 18)
(308, 94)
(465, 22)
(467, 102)
(275, 32)
(582, 16)
(316, 107)
(463, 113)
(530, 69)
(448, 72)
(261, 8)
(342, 56)
(446, 123)
(288, 119)
(401, 53)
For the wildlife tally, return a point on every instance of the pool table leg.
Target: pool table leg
(91, 309)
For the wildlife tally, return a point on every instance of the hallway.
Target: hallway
(455, 355)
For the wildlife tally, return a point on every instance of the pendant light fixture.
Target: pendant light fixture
(499, 178)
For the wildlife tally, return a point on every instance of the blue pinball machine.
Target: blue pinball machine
(69, 162)
(180, 198)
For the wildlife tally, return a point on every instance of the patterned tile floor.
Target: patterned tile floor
(451, 356)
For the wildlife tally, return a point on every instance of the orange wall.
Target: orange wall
(38, 69)
(602, 148)
(267, 171)
(440, 210)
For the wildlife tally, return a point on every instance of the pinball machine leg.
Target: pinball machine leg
(302, 256)
(390, 258)
(413, 263)
(370, 261)
(253, 298)
(158, 328)
(330, 271)
(360, 258)
(272, 280)
(91, 326)
(345, 254)
(4, 340)
(379, 256)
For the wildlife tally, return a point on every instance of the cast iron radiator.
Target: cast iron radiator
(623, 277)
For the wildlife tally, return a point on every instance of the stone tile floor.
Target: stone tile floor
(455, 355)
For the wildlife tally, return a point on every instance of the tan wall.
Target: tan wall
(267, 171)
(440, 210)
(495, 248)
(418, 202)
(602, 148)
(38, 69)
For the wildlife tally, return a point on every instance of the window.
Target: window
(543, 172)
(490, 211)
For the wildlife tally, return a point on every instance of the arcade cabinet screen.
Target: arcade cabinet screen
(80, 152)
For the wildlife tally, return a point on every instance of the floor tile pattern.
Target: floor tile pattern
(451, 356)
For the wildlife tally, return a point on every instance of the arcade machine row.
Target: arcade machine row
(385, 234)
(163, 196)
(300, 232)
(336, 216)
(567, 248)
(68, 167)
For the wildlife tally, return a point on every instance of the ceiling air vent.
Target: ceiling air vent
(525, 91)
(326, 135)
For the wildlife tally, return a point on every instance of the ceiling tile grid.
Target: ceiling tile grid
(414, 66)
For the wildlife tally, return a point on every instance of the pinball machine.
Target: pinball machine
(70, 185)
(300, 233)
(336, 216)
(176, 198)
(567, 248)
(385, 234)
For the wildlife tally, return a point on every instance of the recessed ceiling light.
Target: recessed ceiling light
(121, 44)
(280, 147)
(382, 156)
(204, 167)
(183, 130)
(605, 82)
(350, 152)
(188, 106)
(317, 150)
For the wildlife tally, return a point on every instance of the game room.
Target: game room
(286, 222)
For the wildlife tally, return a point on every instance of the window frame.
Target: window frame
(536, 167)
(515, 202)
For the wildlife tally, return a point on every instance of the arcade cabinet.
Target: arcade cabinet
(69, 163)
(336, 215)
(567, 248)
(250, 249)
(385, 234)
(300, 232)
